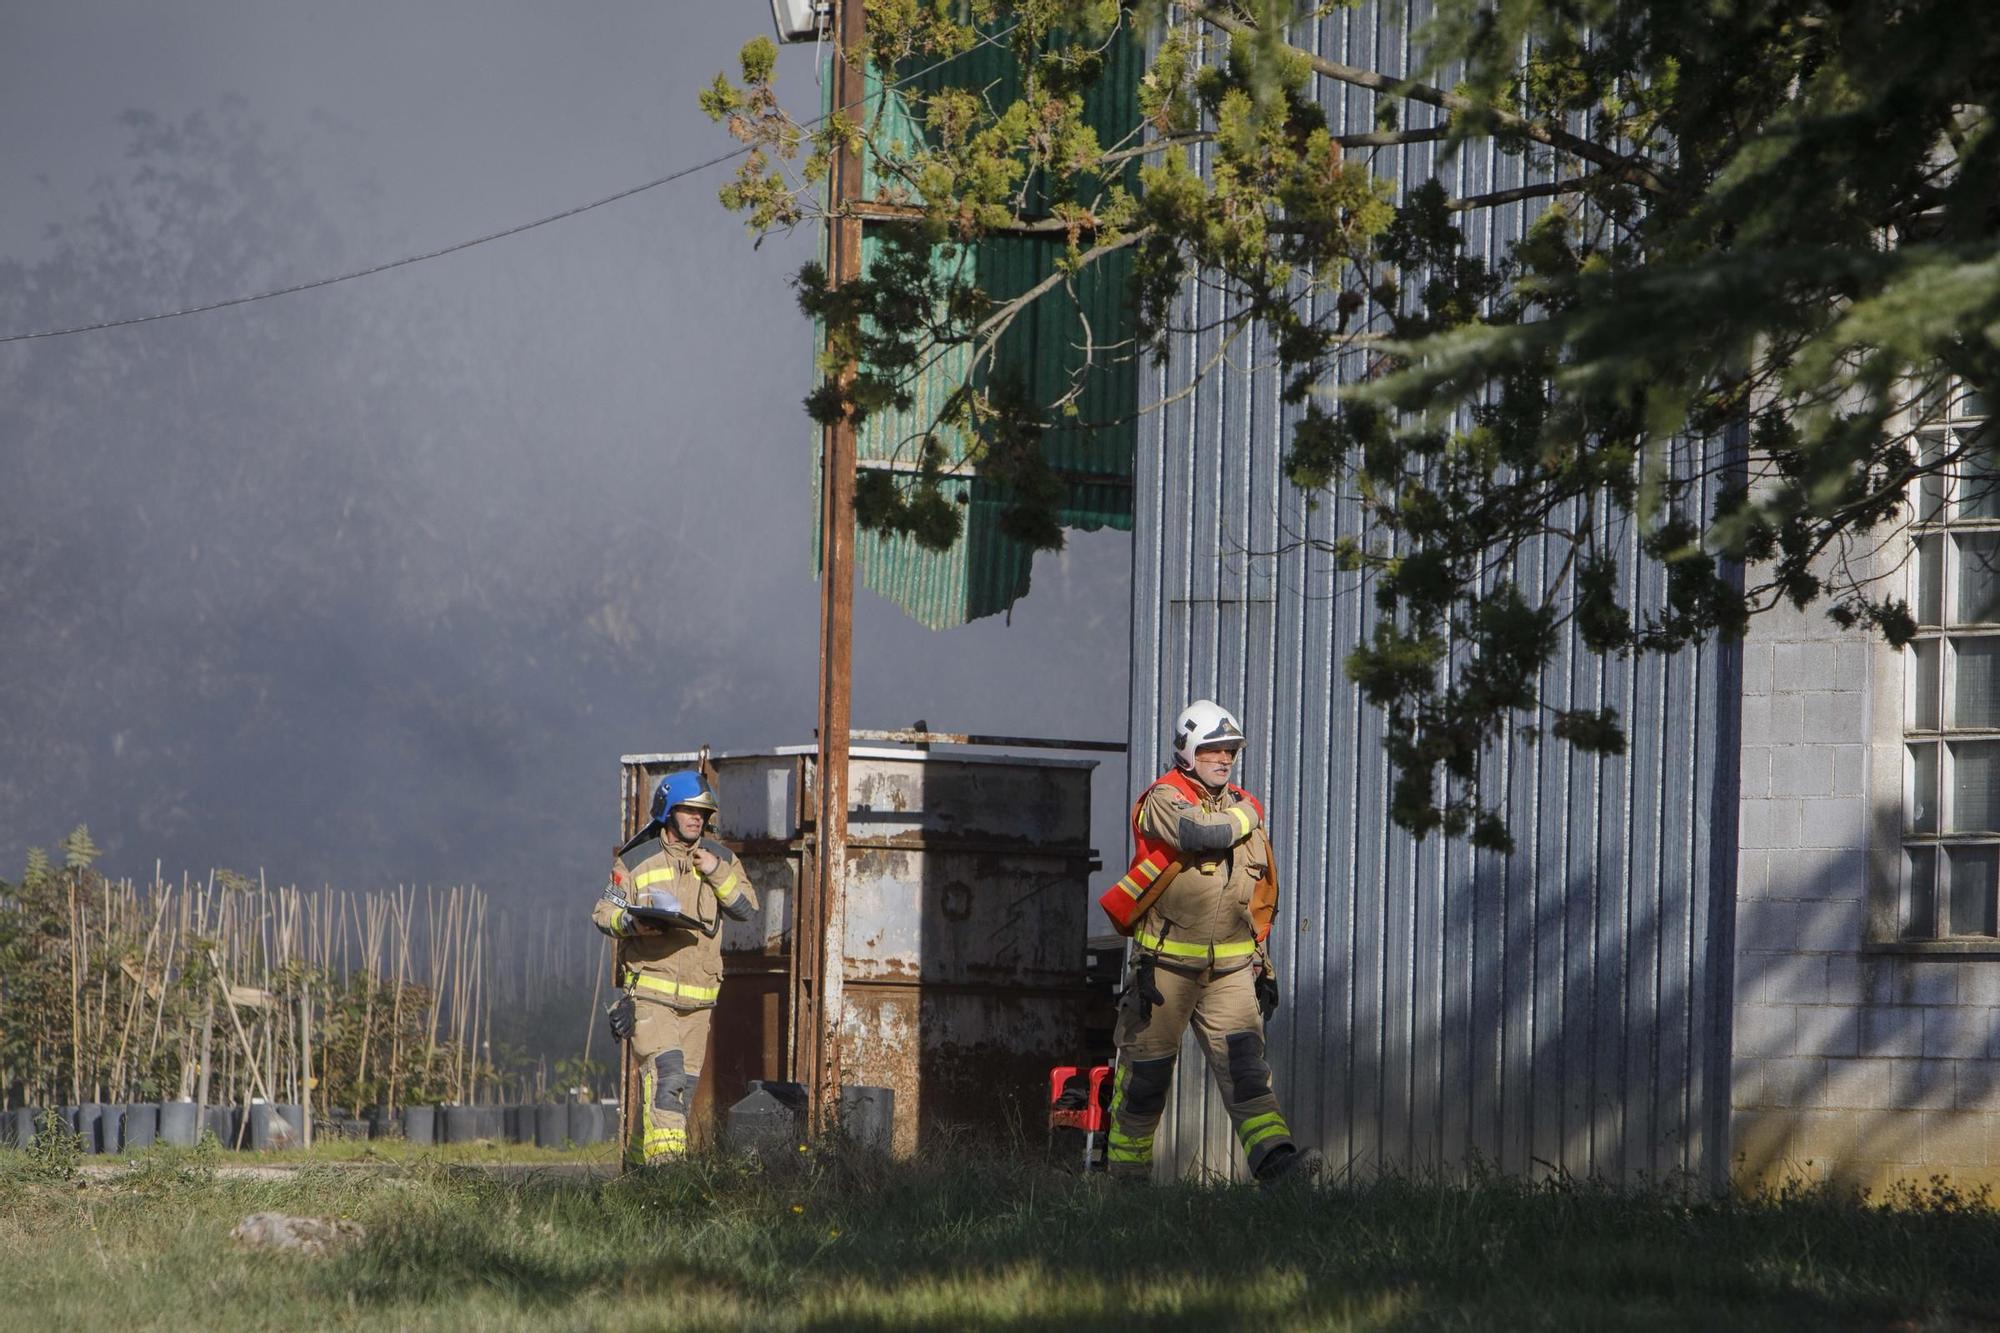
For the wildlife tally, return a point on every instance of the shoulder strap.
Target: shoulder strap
(1242, 795)
(1173, 779)
(1264, 897)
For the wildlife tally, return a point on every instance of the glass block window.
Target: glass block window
(1951, 704)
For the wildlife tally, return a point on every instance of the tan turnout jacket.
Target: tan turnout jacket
(1203, 919)
(682, 968)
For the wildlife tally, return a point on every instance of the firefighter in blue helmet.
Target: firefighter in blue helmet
(670, 888)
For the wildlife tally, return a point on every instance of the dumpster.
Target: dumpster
(968, 893)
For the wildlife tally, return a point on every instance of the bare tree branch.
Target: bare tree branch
(1363, 139)
(875, 210)
(989, 330)
(1539, 190)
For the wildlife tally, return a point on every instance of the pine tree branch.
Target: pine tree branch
(1638, 170)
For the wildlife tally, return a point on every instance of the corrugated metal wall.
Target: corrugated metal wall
(1563, 1008)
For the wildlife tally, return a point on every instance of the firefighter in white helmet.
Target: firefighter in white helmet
(1199, 952)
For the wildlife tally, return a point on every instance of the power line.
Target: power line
(379, 268)
(502, 234)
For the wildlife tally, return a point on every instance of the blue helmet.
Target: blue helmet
(682, 788)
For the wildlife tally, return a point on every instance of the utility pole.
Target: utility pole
(816, 1032)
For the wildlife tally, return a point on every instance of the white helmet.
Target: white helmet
(1204, 722)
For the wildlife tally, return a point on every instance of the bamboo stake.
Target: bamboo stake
(461, 1001)
(103, 1003)
(138, 994)
(311, 949)
(249, 1056)
(75, 982)
(208, 1015)
(168, 954)
(476, 995)
(305, 1055)
(404, 908)
(590, 1018)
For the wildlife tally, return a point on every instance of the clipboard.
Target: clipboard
(667, 918)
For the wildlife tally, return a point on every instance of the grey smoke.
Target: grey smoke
(374, 583)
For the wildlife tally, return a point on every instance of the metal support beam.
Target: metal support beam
(925, 736)
(817, 1035)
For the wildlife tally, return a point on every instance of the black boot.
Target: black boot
(1288, 1163)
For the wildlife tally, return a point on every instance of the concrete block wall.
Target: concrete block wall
(1853, 1062)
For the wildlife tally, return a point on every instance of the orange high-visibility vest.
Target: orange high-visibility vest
(1153, 861)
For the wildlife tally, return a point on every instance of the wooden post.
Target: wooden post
(824, 952)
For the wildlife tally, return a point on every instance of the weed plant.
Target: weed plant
(56, 1152)
(839, 1239)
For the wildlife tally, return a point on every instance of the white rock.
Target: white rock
(302, 1235)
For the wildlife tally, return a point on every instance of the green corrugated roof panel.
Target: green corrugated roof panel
(983, 572)
(986, 572)
(1051, 342)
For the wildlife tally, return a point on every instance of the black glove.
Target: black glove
(1267, 989)
(624, 1017)
(1142, 986)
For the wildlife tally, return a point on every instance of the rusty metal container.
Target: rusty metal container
(968, 891)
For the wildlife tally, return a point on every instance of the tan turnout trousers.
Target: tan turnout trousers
(1223, 1008)
(669, 1045)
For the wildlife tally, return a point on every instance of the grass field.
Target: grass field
(395, 1152)
(833, 1241)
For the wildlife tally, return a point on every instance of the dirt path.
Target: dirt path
(110, 1172)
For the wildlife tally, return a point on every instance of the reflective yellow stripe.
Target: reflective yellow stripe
(1118, 1145)
(1122, 1147)
(1260, 1127)
(1181, 949)
(622, 923)
(1277, 1131)
(676, 988)
(727, 889)
(661, 875)
(1149, 869)
(1131, 889)
(1242, 818)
